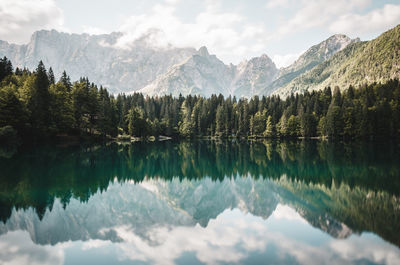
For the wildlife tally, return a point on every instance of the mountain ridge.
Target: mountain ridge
(360, 63)
(204, 74)
(338, 60)
(315, 55)
(96, 57)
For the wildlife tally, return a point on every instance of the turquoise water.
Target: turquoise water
(201, 202)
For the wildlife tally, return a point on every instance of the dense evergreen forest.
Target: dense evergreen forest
(34, 106)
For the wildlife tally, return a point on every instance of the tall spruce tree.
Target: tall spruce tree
(39, 102)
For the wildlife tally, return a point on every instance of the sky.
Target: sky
(233, 30)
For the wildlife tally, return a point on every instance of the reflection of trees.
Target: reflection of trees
(358, 208)
(35, 177)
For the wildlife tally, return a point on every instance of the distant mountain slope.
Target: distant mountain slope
(338, 60)
(364, 62)
(95, 56)
(252, 76)
(312, 57)
(204, 74)
(153, 71)
(201, 74)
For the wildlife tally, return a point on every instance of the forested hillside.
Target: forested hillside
(34, 106)
(377, 60)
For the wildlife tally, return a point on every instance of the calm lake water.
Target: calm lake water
(201, 202)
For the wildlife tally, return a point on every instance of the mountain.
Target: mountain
(144, 68)
(252, 76)
(153, 71)
(95, 56)
(360, 62)
(204, 74)
(200, 74)
(312, 57)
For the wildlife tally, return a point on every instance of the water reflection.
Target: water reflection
(202, 203)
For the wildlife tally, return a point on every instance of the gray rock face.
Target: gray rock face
(152, 71)
(96, 57)
(201, 74)
(161, 71)
(251, 77)
(204, 74)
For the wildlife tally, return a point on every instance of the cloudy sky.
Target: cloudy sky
(232, 29)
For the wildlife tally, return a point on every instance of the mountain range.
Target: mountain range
(336, 61)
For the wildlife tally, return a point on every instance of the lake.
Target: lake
(201, 202)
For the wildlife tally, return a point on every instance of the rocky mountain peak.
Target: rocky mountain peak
(96, 56)
(264, 60)
(203, 51)
(334, 44)
(264, 57)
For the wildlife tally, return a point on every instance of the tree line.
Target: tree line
(33, 105)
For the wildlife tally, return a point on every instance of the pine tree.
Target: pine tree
(137, 125)
(5, 68)
(259, 123)
(65, 80)
(51, 76)
(334, 121)
(251, 126)
(220, 121)
(11, 109)
(308, 125)
(321, 129)
(40, 101)
(283, 131)
(270, 130)
(293, 126)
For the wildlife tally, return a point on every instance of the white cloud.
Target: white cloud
(172, 2)
(17, 248)
(227, 34)
(285, 60)
(93, 30)
(20, 18)
(357, 248)
(285, 212)
(234, 236)
(277, 4)
(375, 21)
(215, 244)
(319, 13)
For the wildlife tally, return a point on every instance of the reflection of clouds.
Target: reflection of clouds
(17, 248)
(357, 248)
(155, 222)
(219, 242)
(285, 212)
(233, 237)
(96, 243)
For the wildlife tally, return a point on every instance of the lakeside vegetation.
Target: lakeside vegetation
(34, 106)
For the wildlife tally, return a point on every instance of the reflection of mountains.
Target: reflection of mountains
(358, 201)
(141, 207)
